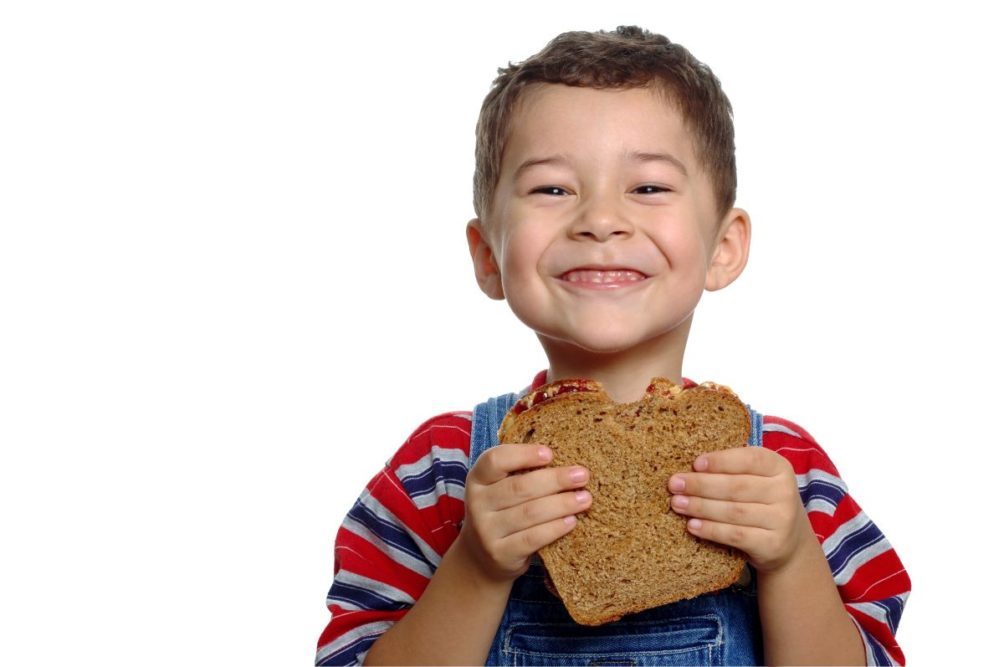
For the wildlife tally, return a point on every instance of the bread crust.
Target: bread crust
(630, 552)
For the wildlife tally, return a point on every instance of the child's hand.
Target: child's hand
(510, 516)
(746, 498)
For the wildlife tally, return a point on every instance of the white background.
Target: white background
(233, 278)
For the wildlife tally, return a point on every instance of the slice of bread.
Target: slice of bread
(630, 551)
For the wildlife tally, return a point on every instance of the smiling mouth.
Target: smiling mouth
(603, 278)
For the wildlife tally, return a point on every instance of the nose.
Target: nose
(600, 218)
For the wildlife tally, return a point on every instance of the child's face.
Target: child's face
(603, 228)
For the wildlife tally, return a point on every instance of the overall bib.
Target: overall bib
(721, 628)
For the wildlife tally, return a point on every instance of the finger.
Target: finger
(526, 542)
(542, 510)
(743, 538)
(754, 515)
(499, 462)
(739, 488)
(516, 490)
(742, 460)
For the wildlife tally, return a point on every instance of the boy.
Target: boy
(604, 190)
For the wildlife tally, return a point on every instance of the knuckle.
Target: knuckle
(530, 513)
(488, 461)
(741, 487)
(736, 535)
(737, 512)
(527, 541)
(518, 486)
(790, 496)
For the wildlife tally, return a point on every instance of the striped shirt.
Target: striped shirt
(392, 540)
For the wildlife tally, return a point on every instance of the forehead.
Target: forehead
(588, 123)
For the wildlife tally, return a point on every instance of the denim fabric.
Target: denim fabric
(720, 628)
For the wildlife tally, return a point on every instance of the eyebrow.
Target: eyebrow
(533, 162)
(659, 157)
(637, 156)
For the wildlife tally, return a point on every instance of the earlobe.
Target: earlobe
(732, 250)
(486, 269)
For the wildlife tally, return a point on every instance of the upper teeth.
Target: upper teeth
(594, 276)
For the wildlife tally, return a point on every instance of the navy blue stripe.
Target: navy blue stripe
(363, 597)
(347, 655)
(818, 488)
(894, 610)
(445, 472)
(387, 531)
(857, 541)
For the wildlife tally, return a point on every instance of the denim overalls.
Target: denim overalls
(720, 628)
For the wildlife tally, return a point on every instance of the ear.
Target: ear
(732, 249)
(486, 269)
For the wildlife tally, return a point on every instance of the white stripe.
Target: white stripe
(779, 428)
(821, 505)
(859, 559)
(817, 475)
(372, 585)
(846, 529)
(878, 612)
(427, 500)
(376, 628)
(420, 466)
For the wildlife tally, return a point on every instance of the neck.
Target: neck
(626, 374)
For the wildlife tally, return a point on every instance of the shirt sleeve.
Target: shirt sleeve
(393, 538)
(870, 578)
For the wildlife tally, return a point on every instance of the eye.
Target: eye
(549, 190)
(650, 189)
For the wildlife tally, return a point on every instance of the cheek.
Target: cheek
(684, 249)
(522, 253)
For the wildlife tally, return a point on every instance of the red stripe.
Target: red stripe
(449, 430)
(881, 577)
(846, 510)
(804, 455)
(342, 621)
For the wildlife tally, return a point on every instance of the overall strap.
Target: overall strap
(756, 428)
(485, 422)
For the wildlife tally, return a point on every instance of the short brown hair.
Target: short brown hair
(629, 57)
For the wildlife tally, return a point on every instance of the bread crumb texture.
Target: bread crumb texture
(630, 551)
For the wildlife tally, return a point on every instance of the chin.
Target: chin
(599, 345)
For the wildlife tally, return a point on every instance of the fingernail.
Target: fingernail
(694, 524)
(701, 463)
(570, 520)
(581, 496)
(676, 484)
(578, 475)
(681, 502)
(544, 453)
